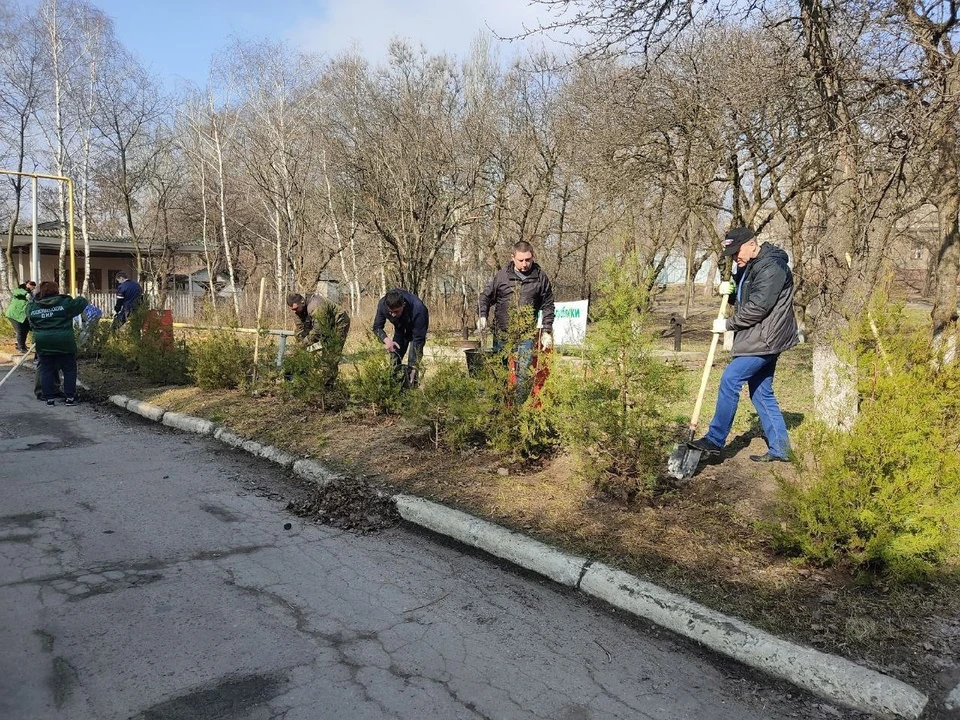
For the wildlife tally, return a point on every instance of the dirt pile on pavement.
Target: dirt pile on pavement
(349, 505)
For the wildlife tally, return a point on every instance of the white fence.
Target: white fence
(184, 305)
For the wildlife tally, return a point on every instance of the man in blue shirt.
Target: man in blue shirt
(129, 294)
(410, 319)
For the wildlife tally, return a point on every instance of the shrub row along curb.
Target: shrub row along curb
(829, 676)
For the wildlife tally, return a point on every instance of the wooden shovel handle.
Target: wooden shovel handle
(695, 418)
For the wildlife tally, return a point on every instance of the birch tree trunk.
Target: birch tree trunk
(228, 255)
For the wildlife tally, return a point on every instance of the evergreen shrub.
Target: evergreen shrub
(375, 384)
(141, 347)
(452, 403)
(884, 497)
(311, 377)
(610, 409)
(158, 359)
(220, 360)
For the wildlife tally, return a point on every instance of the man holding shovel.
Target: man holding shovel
(764, 326)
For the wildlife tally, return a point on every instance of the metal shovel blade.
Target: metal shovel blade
(683, 462)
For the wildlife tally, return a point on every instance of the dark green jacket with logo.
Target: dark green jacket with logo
(51, 319)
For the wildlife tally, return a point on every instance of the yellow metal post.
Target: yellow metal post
(73, 255)
(73, 260)
(256, 342)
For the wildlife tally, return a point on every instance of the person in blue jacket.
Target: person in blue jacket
(129, 295)
(411, 320)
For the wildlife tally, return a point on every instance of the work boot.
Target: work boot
(705, 446)
(768, 458)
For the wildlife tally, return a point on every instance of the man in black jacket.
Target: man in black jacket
(520, 284)
(764, 326)
(411, 320)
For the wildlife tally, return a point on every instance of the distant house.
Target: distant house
(108, 255)
(197, 283)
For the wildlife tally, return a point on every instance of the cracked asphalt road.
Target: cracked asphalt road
(143, 576)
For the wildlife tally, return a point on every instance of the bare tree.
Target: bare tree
(130, 106)
(400, 138)
(934, 84)
(865, 168)
(21, 76)
(60, 22)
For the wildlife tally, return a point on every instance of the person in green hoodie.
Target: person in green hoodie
(17, 313)
(51, 317)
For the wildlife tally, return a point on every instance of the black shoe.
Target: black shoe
(51, 402)
(70, 401)
(705, 446)
(768, 458)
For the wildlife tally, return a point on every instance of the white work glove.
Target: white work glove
(728, 287)
(546, 340)
(390, 345)
(481, 324)
(720, 325)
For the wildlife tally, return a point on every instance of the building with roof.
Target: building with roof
(108, 255)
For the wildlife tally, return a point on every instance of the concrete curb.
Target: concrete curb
(146, 410)
(314, 471)
(276, 455)
(228, 438)
(188, 423)
(829, 676)
(514, 547)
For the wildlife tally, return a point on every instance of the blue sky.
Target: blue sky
(177, 38)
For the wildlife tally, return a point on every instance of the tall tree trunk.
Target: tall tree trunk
(834, 374)
(9, 276)
(944, 311)
(228, 255)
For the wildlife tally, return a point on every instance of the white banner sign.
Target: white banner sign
(569, 322)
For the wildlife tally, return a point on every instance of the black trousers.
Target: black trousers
(21, 329)
(51, 366)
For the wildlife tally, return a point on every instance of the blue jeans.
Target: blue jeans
(757, 372)
(522, 358)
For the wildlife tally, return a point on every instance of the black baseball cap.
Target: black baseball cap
(735, 238)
